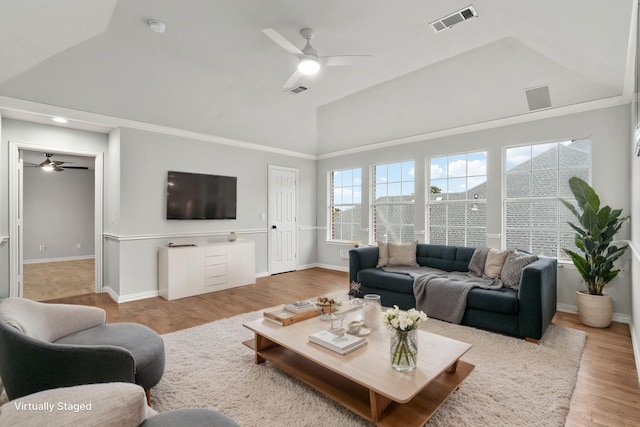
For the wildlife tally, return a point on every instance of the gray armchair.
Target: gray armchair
(45, 346)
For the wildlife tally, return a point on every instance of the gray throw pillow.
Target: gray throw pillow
(479, 257)
(513, 266)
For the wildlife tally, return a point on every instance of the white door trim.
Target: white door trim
(270, 256)
(15, 237)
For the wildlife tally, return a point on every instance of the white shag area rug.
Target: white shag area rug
(514, 383)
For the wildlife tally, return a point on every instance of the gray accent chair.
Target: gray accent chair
(111, 404)
(45, 346)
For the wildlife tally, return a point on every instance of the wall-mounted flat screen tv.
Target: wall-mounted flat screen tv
(200, 196)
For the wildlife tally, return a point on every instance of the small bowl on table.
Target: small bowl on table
(354, 327)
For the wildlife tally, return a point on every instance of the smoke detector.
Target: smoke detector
(157, 26)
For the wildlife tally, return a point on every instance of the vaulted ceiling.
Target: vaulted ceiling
(214, 72)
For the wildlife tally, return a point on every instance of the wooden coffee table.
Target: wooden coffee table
(364, 381)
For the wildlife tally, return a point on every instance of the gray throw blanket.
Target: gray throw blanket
(441, 294)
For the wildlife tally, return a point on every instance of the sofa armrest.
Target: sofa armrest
(537, 297)
(361, 258)
(114, 404)
(29, 365)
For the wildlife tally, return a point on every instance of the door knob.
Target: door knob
(273, 227)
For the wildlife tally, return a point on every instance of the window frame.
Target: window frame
(448, 202)
(331, 206)
(372, 197)
(531, 199)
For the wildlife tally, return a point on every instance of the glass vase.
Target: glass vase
(372, 311)
(404, 350)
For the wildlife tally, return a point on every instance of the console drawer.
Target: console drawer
(215, 250)
(215, 270)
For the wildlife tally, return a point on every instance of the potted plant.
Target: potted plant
(595, 230)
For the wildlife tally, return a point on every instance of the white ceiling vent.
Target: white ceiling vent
(298, 89)
(538, 98)
(453, 19)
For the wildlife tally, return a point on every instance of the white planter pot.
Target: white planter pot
(594, 310)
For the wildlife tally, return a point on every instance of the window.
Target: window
(345, 211)
(535, 176)
(393, 213)
(456, 210)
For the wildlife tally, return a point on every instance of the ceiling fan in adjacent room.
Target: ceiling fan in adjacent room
(309, 62)
(53, 165)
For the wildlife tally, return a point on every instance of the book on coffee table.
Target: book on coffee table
(300, 306)
(343, 345)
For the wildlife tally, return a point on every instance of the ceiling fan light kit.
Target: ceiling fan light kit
(309, 62)
(308, 66)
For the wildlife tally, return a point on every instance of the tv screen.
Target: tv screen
(199, 196)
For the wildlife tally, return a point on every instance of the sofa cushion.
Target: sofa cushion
(378, 279)
(494, 263)
(503, 300)
(402, 254)
(512, 270)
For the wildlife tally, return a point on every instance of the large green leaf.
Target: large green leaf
(584, 194)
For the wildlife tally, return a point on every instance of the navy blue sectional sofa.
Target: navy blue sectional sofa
(524, 313)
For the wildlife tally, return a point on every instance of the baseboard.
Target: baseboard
(327, 266)
(616, 317)
(263, 274)
(130, 297)
(68, 258)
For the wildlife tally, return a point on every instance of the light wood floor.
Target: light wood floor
(607, 391)
(49, 280)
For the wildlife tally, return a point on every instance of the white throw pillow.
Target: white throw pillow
(494, 263)
(402, 254)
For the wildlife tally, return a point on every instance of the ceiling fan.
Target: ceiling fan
(54, 165)
(309, 62)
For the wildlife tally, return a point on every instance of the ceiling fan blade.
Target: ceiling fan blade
(58, 169)
(343, 60)
(57, 163)
(45, 163)
(292, 80)
(75, 167)
(284, 43)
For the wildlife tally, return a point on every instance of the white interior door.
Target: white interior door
(15, 223)
(283, 225)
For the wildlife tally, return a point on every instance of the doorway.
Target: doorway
(58, 241)
(19, 161)
(283, 221)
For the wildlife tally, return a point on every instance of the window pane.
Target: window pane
(518, 215)
(337, 196)
(544, 156)
(438, 189)
(457, 166)
(519, 239)
(381, 190)
(438, 236)
(456, 237)
(477, 164)
(544, 183)
(408, 171)
(518, 185)
(476, 237)
(381, 173)
(517, 156)
(394, 172)
(477, 215)
(438, 214)
(347, 178)
(408, 188)
(438, 167)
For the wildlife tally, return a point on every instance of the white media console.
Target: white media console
(193, 270)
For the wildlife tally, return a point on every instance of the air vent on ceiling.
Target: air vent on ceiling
(298, 89)
(538, 98)
(453, 19)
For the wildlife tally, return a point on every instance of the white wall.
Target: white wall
(609, 132)
(138, 225)
(57, 139)
(58, 214)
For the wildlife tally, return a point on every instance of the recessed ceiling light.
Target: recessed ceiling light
(60, 120)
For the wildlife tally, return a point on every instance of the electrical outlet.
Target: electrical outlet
(78, 246)
(41, 248)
